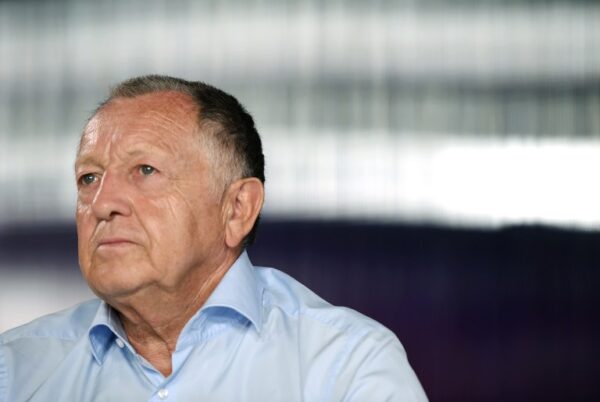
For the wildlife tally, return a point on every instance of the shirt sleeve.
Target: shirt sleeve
(3, 373)
(377, 369)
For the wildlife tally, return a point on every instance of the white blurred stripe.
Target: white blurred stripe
(444, 178)
(435, 178)
(555, 41)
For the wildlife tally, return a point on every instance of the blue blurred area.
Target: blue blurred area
(494, 315)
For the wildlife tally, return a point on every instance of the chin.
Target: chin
(113, 281)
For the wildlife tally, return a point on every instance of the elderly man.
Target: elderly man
(170, 186)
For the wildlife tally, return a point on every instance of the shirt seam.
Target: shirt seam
(297, 311)
(343, 327)
(377, 352)
(336, 368)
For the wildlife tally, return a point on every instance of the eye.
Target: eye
(88, 179)
(147, 170)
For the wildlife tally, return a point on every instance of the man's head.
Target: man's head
(226, 129)
(170, 177)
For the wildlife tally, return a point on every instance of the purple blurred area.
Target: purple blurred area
(494, 315)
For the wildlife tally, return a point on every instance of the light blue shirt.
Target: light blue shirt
(261, 336)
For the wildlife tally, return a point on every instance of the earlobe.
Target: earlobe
(245, 200)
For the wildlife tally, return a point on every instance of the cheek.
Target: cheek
(84, 222)
(85, 195)
(178, 223)
(177, 211)
(159, 222)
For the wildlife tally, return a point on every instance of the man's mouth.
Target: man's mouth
(114, 242)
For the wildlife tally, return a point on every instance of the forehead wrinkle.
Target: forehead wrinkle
(169, 115)
(169, 122)
(172, 106)
(166, 134)
(147, 141)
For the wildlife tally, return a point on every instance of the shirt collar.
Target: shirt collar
(238, 293)
(106, 327)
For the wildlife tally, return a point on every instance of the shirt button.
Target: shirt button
(120, 343)
(163, 393)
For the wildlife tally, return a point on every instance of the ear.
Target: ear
(243, 204)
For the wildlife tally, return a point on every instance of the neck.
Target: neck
(154, 318)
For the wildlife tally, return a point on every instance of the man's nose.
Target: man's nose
(112, 197)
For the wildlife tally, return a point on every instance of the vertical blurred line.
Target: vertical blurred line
(591, 51)
(5, 90)
(594, 107)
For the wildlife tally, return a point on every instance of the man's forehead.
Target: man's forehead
(154, 115)
(170, 104)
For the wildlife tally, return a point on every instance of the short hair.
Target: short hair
(228, 127)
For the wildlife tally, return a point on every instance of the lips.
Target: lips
(114, 242)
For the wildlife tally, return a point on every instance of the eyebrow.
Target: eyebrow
(148, 149)
(86, 160)
(90, 160)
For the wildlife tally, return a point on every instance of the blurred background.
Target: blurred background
(429, 163)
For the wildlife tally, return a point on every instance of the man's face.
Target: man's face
(147, 214)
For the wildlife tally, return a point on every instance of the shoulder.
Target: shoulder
(68, 324)
(354, 357)
(285, 293)
(30, 353)
(325, 334)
